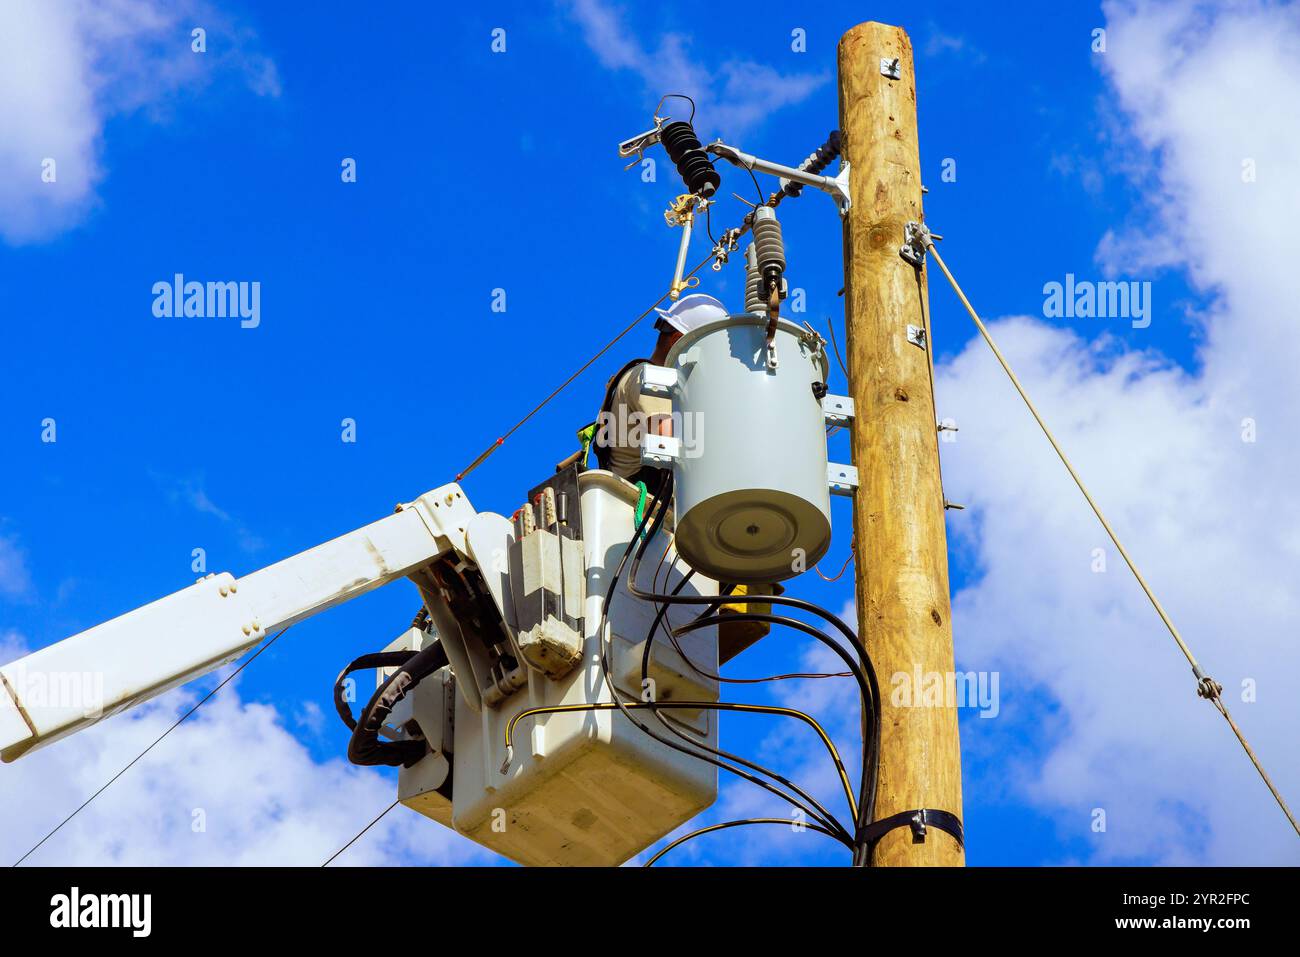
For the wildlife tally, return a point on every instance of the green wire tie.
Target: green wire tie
(640, 506)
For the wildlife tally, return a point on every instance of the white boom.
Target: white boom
(74, 683)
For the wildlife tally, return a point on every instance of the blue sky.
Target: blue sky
(479, 171)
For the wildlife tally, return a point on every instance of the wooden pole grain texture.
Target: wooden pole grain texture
(898, 514)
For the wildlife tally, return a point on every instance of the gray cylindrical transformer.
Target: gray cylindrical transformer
(752, 500)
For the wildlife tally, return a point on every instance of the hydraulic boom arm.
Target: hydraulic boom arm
(43, 697)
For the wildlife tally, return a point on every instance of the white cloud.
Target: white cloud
(235, 766)
(735, 96)
(1213, 520)
(938, 43)
(15, 579)
(190, 491)
(66, 66)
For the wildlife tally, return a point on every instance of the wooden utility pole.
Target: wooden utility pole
(898, 510)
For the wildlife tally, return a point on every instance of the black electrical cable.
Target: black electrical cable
(379, 659)
(706, 622)
(662, 501)
(672, 637)
(683, 96)
(643, 538)
(830, 324)
(758, 189)
(868, 689)
(639, 536)
(364, 747)
(870, 729)
(724, 826)
(645, 670)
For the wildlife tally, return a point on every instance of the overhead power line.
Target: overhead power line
(734, 234)
(267, 644)
(1206, 686)
(482, 457)
(357, 836)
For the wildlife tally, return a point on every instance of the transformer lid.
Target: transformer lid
(742, 319)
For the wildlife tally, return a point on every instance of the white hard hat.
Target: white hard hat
(691, 312)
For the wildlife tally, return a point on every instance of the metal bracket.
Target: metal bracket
(842, 479)
(890, 67)
(837, 187)
(837, 409)
(724, 247)
(916, 335)
(660, 450)
(657, 380)
(842, 187)
(918, 821)
(637, 145)
(916, 237)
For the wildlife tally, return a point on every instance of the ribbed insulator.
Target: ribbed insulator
(688, 155)
(817, 162)
(754, 302)
(769, 247)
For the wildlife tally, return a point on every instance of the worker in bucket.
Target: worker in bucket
(626, 415)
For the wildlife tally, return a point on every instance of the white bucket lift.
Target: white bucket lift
(509, 733)
(584, 786)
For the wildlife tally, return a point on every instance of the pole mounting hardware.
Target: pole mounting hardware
(636, 146)
(658, 380)
(842, 479)
(919, 821)
(891, 67)
(916, 336)
(1206, 687)
(724, 247)
(916, 239)
(837, 409)
(837, 187)
(660, 450)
